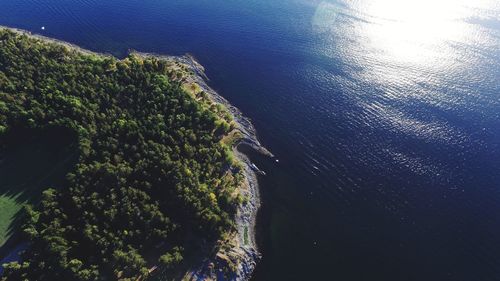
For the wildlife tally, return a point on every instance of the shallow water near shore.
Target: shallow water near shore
(384, 115)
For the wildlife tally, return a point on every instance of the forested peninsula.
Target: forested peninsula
(151, 185)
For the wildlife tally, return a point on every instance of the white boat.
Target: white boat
(256, 169)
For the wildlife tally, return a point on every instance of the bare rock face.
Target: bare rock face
(235, 265)
(237, 258)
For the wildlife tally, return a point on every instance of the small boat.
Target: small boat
(42, 28)
(257, 170)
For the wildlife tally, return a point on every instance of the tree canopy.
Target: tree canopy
(151, 171)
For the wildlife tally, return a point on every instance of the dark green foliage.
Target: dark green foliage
(152, 169)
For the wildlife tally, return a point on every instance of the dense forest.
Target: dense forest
(152, 174)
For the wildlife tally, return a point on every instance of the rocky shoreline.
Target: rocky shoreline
(246, 251)
(243, 253)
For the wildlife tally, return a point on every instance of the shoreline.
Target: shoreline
(244, 252)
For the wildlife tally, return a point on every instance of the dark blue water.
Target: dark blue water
(385, 116)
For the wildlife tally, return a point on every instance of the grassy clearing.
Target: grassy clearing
(245, 236)
(9, 207)
(29, 165)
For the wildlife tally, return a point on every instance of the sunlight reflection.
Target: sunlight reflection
(403, 31)
(413, 52)
(412, 30)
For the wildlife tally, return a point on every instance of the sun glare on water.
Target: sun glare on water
(402, 53)
(415, 31)
(405, 31)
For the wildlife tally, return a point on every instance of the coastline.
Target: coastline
(244, 252)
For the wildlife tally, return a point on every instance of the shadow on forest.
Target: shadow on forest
(30, 162)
